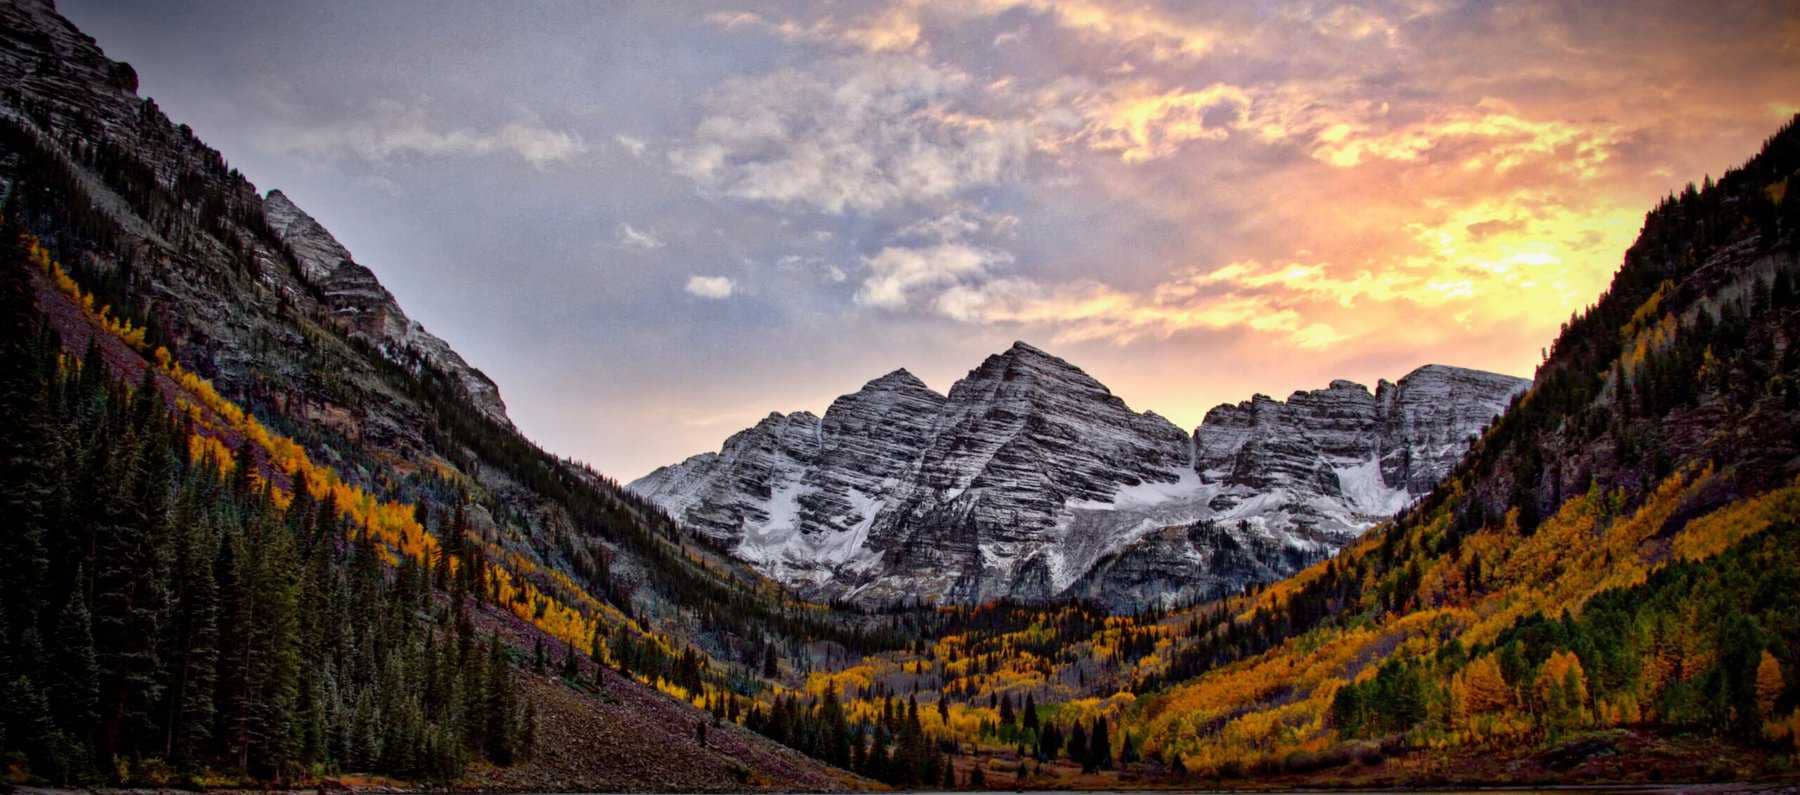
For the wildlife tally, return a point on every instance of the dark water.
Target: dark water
(1623, 789)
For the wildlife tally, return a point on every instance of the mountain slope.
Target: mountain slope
(292, 367)
(365, 309)
(1606, 569)
(1030, 480)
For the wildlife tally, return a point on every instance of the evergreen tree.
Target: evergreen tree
(195, 642)
(1100, 746)
(74, 674)
(501, 718)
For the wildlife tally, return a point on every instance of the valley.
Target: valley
(266, 531)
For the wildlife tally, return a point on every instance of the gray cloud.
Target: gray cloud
(859, 134)
(392, 129)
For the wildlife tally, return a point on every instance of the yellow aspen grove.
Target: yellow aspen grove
(1561, 690)
(1769, 684)
(1481, 688)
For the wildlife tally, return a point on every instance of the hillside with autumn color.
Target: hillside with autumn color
(263, 530)
(1601, 591)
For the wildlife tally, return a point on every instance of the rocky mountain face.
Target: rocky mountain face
(255, 297)
(1341, 455)
(1030, 480)
(366, 310)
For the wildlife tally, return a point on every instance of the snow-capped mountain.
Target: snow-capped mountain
(1031, 480)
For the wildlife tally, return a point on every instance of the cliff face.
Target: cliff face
(1353, 456)
(1030, 480)
(255, 297)
(225, 279)
(365, 309)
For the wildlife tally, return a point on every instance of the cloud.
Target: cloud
(1141, 123)
(1352, 22)
(860, 134)
(900, 26)
(1088, 310)
(711, 287)
(1489, 136)
(634, 146)
(958, 224)
(393, 130)
(897, 273)
(1421, 181)
(1162, 36)
(895, 29)
(631, 238)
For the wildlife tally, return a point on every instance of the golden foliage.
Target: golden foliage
(1769, 683)
(128, 333)
(1480, 688)
(1715, 532)
(202, 447)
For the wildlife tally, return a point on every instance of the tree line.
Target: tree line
(164, 616)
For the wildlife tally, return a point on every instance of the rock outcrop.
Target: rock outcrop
(1030, 480)
(1341, 457)
(365, 309)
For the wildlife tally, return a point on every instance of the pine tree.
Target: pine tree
(1100, 746)
(127, 601)
(570, 668)
(25, 712)
(27, 446)
(196, 642)
(74, 675)
(500, 740)
(274, 652)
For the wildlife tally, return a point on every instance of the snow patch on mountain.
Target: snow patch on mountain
(1031, 480)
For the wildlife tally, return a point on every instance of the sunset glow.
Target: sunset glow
(1194, 203)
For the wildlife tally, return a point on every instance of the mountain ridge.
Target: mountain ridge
(1005, 456)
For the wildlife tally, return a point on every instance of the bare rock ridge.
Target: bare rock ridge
(364, 307)
(253, 295)
(1031, 480)
(58, 81)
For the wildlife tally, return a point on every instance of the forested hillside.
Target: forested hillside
(1602, 589)
(1612, 560)
(168, 607)
(149, 261)
(253, 538)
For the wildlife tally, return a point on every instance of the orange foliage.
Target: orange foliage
(208, 448)
(1769, 683)
(390, 523)
(123, 329)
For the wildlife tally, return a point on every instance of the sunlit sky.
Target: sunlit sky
(654, 223)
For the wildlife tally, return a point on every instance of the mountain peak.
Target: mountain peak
(1452, 371)
(363, 306)
(900, 378)
(320, 254)
(1031, 357)
(1022, 349)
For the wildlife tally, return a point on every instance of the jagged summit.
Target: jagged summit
(1029, 479)
(900, 378)
(318, 251)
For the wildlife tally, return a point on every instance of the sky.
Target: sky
(654, 223)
